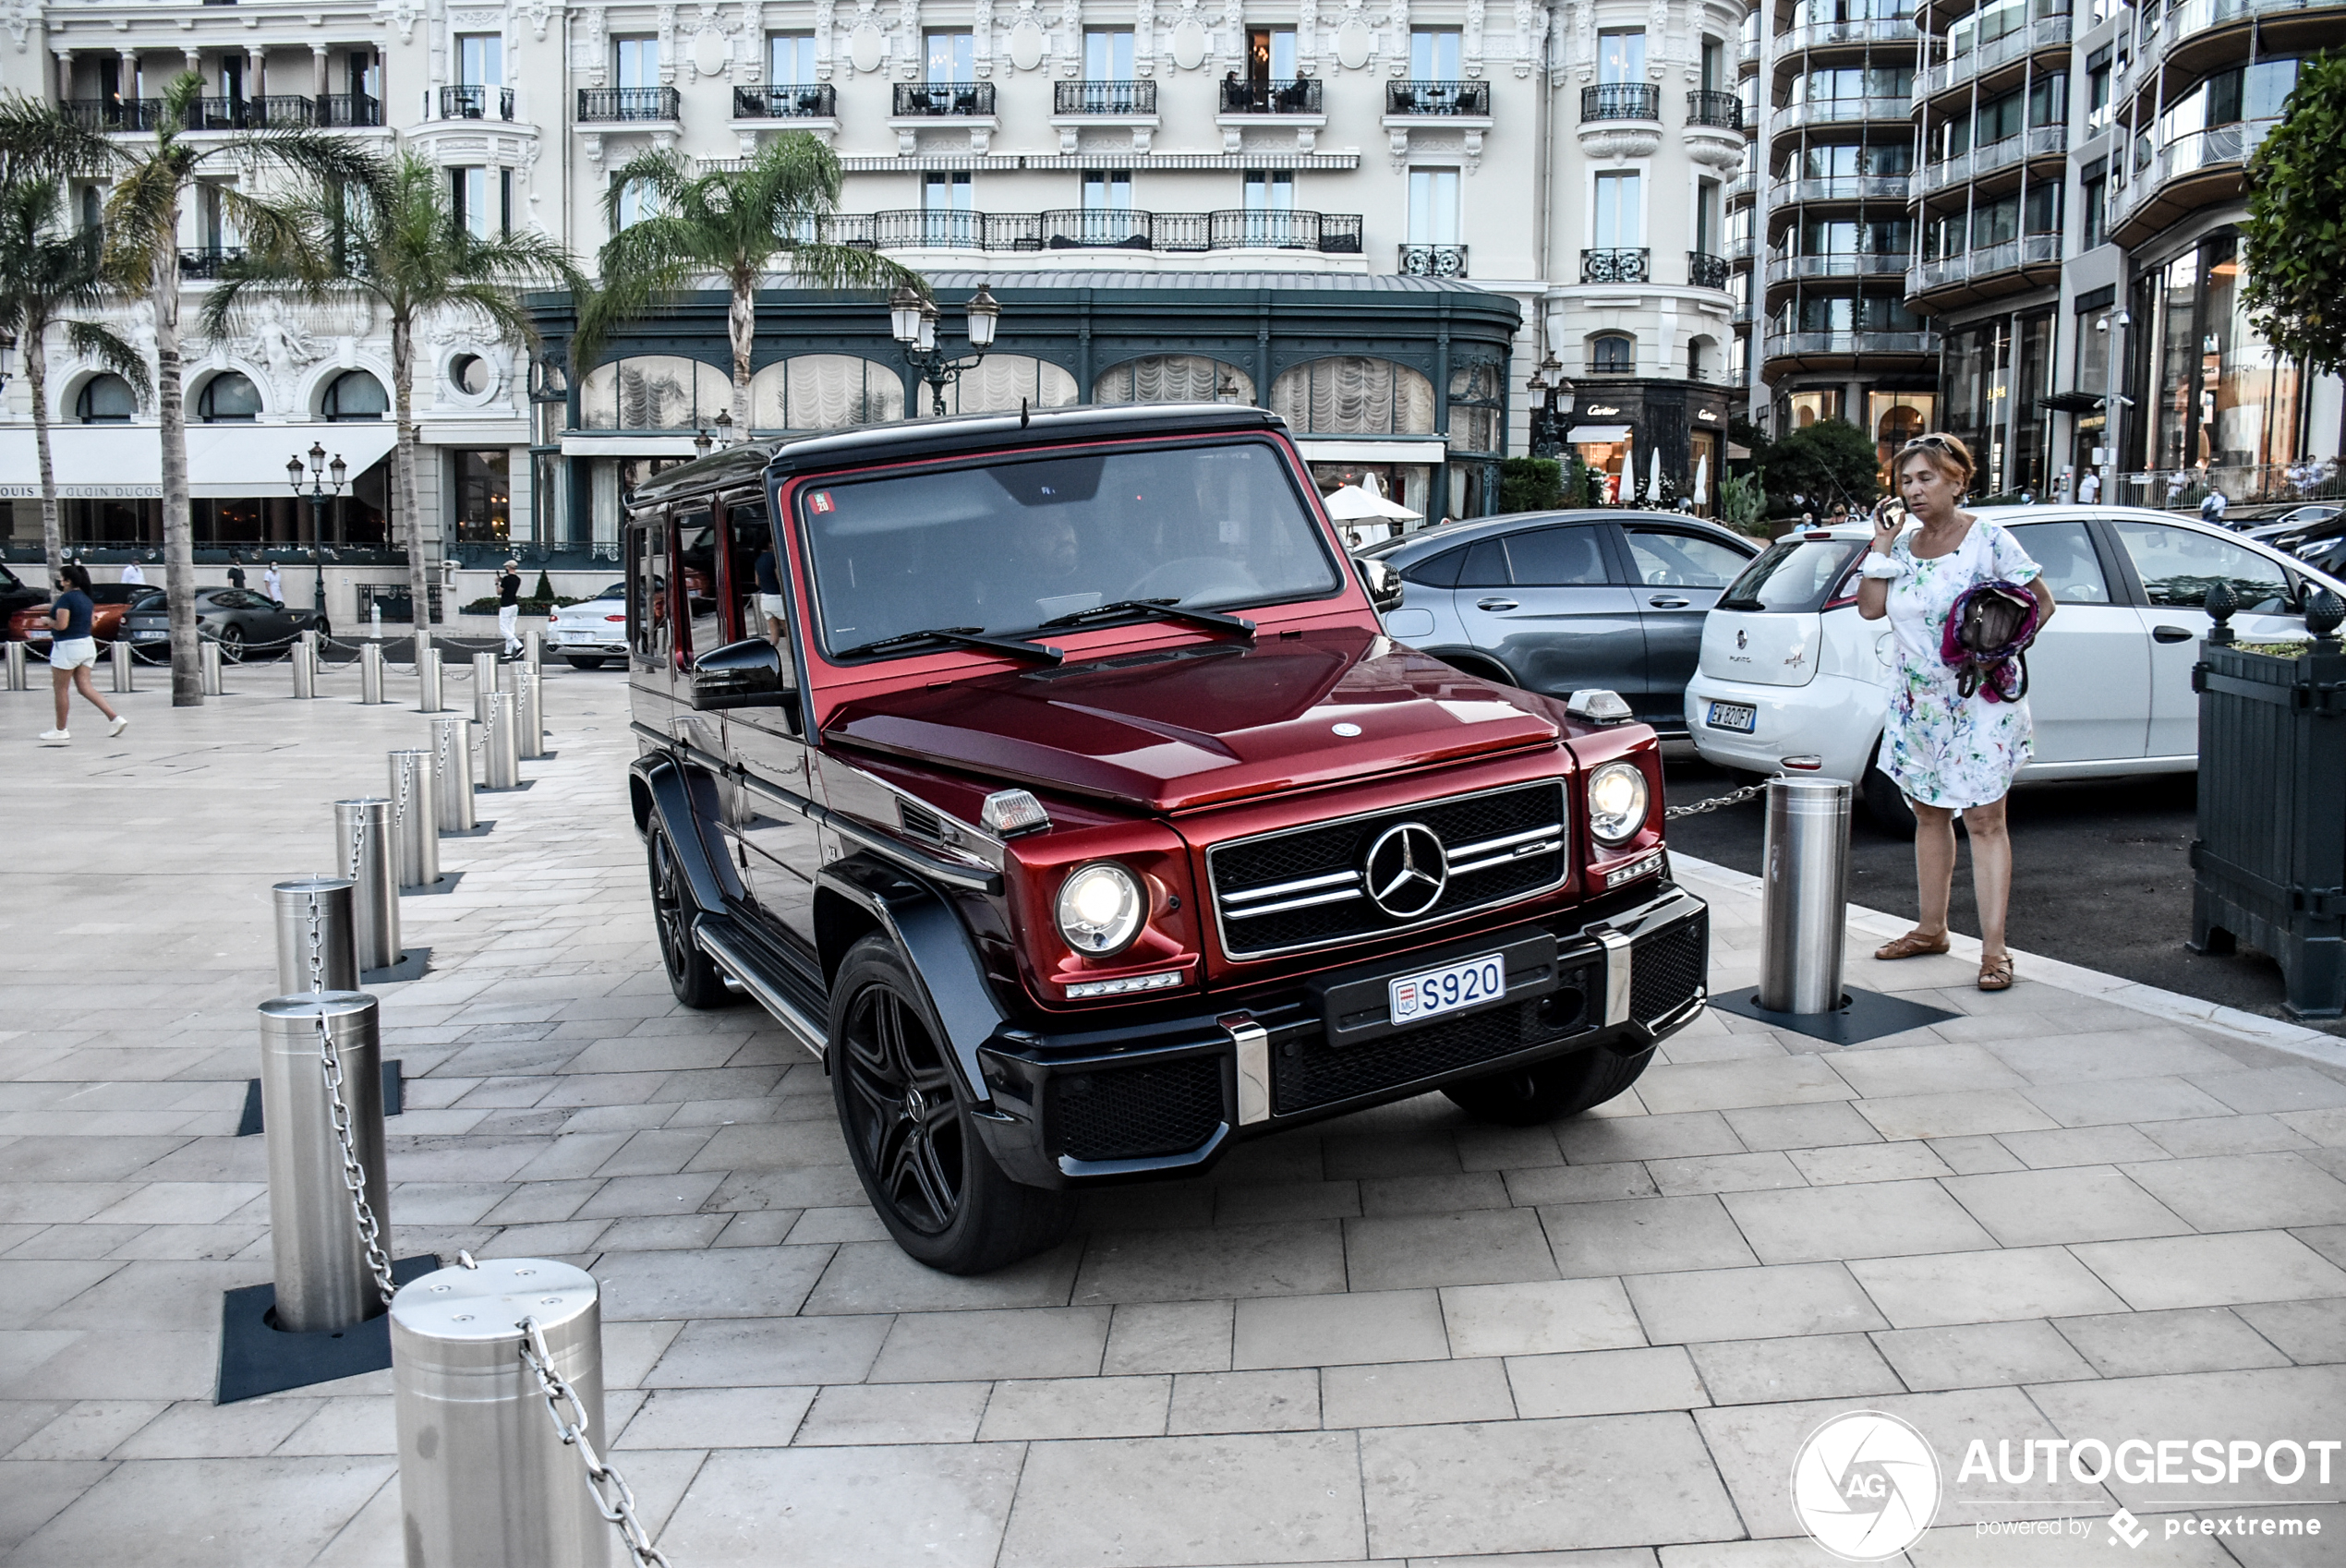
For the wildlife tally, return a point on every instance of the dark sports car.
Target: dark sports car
(245, 623)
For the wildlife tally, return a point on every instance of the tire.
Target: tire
(908, 1130)
(691, 975)
(1563, 1086)
(231, 645)
(582, 661)
(1885, 803)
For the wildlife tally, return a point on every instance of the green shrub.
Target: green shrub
(1530, 483)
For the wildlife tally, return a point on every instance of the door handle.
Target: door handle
(1669, 604)
(2168, 634)
(1494, 604)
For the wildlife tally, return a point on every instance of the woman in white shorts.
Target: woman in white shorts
(72, 651)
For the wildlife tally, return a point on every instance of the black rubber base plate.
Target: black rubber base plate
(477, 830)
(257, 1357)
(411, 966)
(394, 1097)
(447, 884)
(514, 790)
(1862, 1016)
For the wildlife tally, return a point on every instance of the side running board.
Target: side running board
(717, 939)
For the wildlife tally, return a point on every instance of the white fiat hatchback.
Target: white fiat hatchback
(1793, 678)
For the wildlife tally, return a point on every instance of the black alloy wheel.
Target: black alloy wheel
(910, 1132)
(691, 975)
(1562, 1086)
(231, 643)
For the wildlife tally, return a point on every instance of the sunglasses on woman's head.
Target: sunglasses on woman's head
(1935, 443)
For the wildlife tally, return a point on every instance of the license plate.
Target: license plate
(1733, 715)
(1452, 988)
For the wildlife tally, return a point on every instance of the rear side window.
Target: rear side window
(1486, 566)
(1557, 557)
(1793, 575)
(2065, 554)
(1438, 570)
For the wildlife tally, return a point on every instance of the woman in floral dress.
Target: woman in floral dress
(1950, 755)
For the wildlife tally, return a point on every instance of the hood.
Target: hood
(1761, 648)
(1177, 728)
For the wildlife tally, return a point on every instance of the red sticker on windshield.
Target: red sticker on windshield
(820, 502)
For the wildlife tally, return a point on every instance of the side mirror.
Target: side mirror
(1385, 586)
(744, 674)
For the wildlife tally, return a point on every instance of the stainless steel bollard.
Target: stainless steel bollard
(532, 650)
(124, 678)
(427, 679)
(316, 948)
(414, 820)
(207, 665)
(483, 1474)
(322, 1279)
(362, 849)
(303, 657)
(452, 769)
(500, 746)
(1804, 904)
(484, 685)
(529, 732)
(370, 674)
(16, 682)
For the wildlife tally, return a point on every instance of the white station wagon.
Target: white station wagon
(1793, 678)
(592, 630)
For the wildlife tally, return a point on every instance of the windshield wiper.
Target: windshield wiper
(1162, 609)
(963, 636)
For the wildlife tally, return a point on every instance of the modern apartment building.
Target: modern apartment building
(1377, 219)
(2069, 229)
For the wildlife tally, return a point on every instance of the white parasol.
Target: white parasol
(1653, 485)
(1625, 490)
(1351, 503)
(1703, 480)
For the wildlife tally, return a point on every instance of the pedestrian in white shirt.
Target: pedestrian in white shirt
(271, 584)
(130, 574)
(2090, 489)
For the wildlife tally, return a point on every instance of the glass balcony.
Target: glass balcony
(473, 102)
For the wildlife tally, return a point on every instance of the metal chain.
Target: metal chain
(354, 1174)
(1736, 798)
(613, 1498)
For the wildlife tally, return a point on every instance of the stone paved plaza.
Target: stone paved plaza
(1398, 1337)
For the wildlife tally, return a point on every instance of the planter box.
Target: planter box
(2269, 863)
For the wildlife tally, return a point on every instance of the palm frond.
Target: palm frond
(93, 341)
(37, 138)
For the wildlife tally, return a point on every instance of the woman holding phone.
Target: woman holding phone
(1952, 754)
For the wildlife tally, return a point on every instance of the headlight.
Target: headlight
(1100, 909)
(1616, 802)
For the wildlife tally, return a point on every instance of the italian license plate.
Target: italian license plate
(1452, 988)
(1733, 715)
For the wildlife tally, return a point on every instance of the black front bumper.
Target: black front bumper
(1169, 1094)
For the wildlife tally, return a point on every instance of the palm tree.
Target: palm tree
(738, 223)
(48, 275)
(152, 180)
(395, 241)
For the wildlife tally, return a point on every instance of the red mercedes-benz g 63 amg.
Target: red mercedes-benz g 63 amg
(1071, 802)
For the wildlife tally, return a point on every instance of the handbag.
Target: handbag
(1987, 637)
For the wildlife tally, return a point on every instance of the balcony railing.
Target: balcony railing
(1329, 233)
(270, 112)
(1724, 109)
(1739, 248)
(470, 100)
(803, 100)
(1840, 188)
(606, 105)
(1840, 111)
(1705, 271)
(2050, 32)
(1836, 264)
(349, 109)
(1304, 95)
(1441, 98)
(917, 100)
(2044, 142)
(1782, 346)
(2217, 147)
(2028, 250)
(1433, 261)
(1740, 188)
(1125, 98)
(1827, 35)
(1617, 265)
(209, 261)
(1620, 101)
(2194, 17)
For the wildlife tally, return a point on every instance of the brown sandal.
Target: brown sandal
(1995, 973)
(1913, 945)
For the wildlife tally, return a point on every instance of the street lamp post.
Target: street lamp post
(1555, 392)
(2112, 322)
(912, 320)
(317, 473)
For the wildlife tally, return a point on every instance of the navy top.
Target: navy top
(768, 581)
(76, 604)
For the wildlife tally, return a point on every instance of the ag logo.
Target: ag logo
(1866, 1486)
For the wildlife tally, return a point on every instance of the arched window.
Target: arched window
(229, 398)
(1351, 395)
(354, 394)
(653, 392)
(1703, 358)
(1612, 351)
(1478, 407)
(105, 400)
(825, 391)
(1174, 378)
(1001, 381)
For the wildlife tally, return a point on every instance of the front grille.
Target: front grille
(1133, 1112)
(1483, 868)
(1668, 967)
(1308, 1073)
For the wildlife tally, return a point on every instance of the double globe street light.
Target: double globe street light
(1554, 389)
(912, 320)
(319, 472)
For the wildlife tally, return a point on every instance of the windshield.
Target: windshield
(1006, 548)
(1792, 575)
(153, 598)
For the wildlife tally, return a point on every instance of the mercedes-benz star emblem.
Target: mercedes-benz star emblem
(1406, 870)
